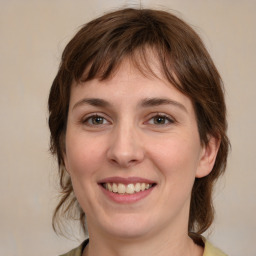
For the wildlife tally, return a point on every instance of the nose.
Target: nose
(125, 149)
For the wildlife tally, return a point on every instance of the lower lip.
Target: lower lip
(127, 198)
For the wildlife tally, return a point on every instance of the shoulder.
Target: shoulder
(210, 250)
(77, 251)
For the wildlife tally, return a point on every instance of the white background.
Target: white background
(32, 37)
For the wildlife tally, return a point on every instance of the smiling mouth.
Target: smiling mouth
(120, 188)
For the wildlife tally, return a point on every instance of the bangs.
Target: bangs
(146, 59)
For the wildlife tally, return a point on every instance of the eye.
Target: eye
(160, 120)
(95, 120)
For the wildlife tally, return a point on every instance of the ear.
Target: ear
(65, 163)
(63, 151)
(208, 157)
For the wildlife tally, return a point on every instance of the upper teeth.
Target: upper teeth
(129, 188)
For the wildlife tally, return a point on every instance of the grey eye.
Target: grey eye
(159, 120)
(97, 120)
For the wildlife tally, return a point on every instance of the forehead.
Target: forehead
(128, 85)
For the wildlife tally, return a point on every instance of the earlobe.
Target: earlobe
(65, 163)
(64, 169)
(208, 157)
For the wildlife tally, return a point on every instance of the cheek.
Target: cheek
(83, 160)
(83, 156)
(177, 162)
(177, 158)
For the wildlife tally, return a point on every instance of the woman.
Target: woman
(138, 123)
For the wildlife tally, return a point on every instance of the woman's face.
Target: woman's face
(133, 152)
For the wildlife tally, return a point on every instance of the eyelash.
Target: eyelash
(89, 120)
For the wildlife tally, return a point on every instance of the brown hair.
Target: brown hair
(98, 49)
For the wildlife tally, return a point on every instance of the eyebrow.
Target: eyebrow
(93, 102)
(148, 102)
(151, 102)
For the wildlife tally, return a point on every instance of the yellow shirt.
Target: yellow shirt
(209, 250)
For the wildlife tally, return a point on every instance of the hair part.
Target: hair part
(99, 48)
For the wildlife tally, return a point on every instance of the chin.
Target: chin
(129, 232)
(128, 227)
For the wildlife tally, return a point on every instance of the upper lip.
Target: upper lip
(128, 180)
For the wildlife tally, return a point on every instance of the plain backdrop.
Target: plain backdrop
(32, 37)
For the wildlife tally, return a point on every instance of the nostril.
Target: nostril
(113, 161)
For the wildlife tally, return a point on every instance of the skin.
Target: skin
(157, 140)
